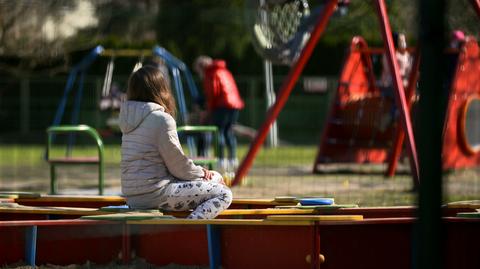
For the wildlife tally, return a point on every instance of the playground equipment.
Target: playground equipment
(461, 129)
(69, 160)
(173, 65)
(321, 22)
(358, 129)
(362, 121)
(362, 127)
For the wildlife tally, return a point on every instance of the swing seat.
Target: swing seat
(69, 160)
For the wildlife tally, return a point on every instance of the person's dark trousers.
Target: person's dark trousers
(224, 119)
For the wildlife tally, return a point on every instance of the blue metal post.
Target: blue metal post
(76, 112)
(82, 65)
(214, 254)
(30, 245)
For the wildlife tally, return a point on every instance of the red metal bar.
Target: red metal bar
(285, 91)
(368, 50)
(367, 59)
(476, 6)
(400, 133)
(400, 99)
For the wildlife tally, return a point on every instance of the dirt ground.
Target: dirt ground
(363, 184)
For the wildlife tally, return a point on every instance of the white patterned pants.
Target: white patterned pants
(206, 198)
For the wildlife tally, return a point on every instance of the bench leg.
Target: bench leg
(100, 177)
(53, 180)
(213, 237)
(31, 245)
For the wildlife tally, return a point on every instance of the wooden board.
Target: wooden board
(316, 217)
(256, 201)
(285, 199)
(223, 222)
(74, 198)
(19, 194)
(320, 207)
(472, 204)
(267, 211)
(134, 215)
(16, 208)
(116, 208)
(472, 215)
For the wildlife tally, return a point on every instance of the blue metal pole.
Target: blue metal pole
(76, 111)
(31, 245)
(214, 247)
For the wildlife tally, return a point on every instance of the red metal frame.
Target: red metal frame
(476, 6)
(400, 98)
(285, 91)
(400, 133)
(297, 68)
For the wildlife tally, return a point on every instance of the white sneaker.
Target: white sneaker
(233, 164)
(222, 166)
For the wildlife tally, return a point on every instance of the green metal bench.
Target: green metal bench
(210, 162)
(70, 160)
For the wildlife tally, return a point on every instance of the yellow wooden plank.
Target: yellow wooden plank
(74, 198)
(255, 201)
(222, 222)
(252, 201)
(315, 217)
(286, 199)
(319, 207)
(471, 204)
(134, 215)
(17, 194)
(16, 208)
(114, 198)
(266, 211)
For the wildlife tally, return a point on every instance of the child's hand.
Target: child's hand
(208, 174)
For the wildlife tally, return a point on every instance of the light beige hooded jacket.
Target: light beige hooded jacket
(151, 152)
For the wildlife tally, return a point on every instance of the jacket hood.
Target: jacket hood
(218, 64)
(132, 114)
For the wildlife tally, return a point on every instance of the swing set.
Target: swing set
(172, 65)
(348, 135)
(176, 67)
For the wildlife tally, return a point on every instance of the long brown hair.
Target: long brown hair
(148, 84)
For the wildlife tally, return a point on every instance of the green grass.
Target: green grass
(12, 155)
(282, 156)
(33, 155)
(275, 172)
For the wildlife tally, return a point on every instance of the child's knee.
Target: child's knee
(228, 195)
(217, 177)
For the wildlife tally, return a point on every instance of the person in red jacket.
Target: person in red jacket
(223, 103)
